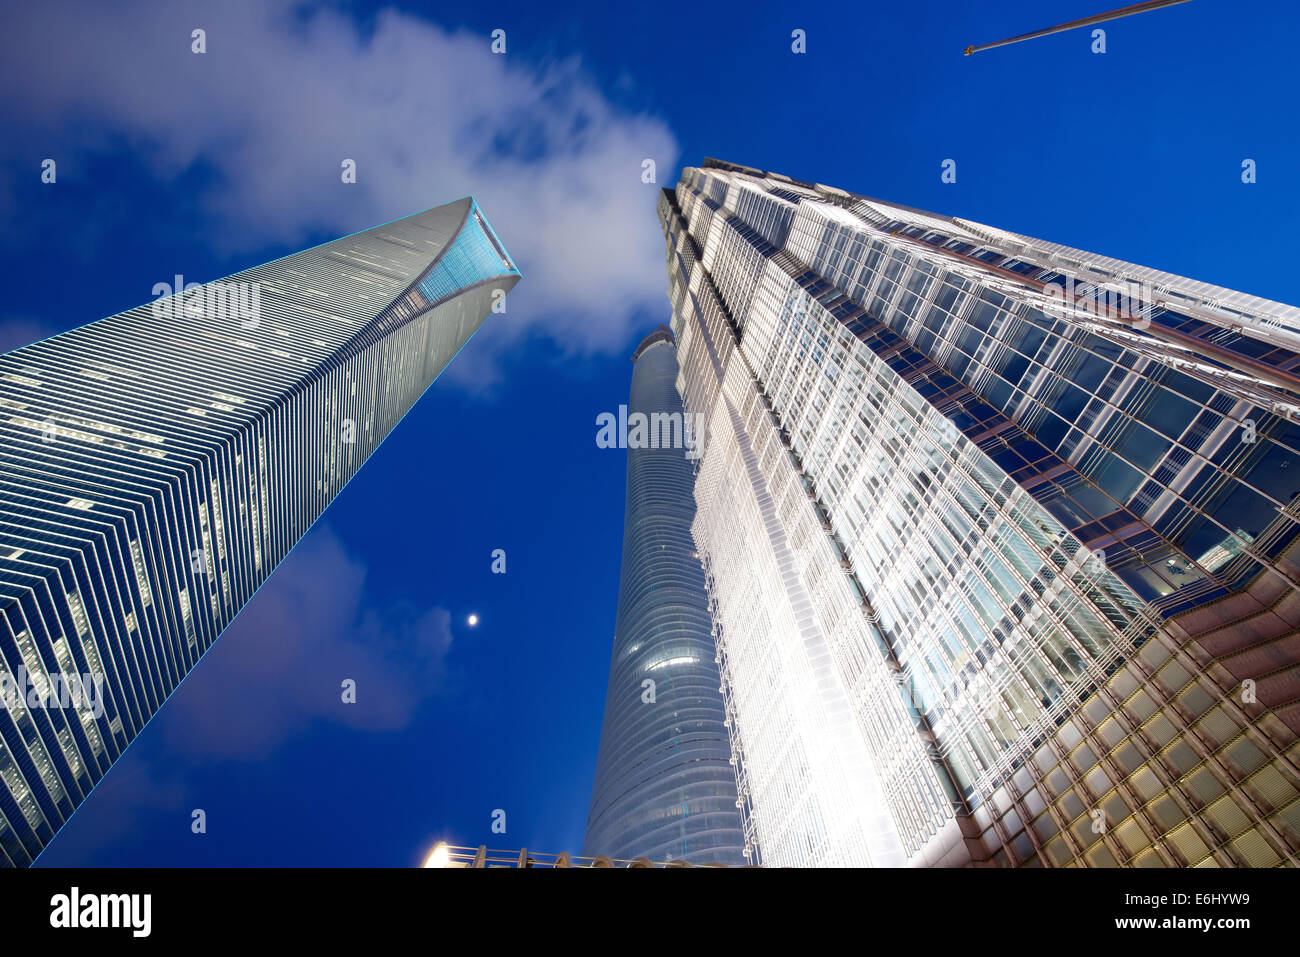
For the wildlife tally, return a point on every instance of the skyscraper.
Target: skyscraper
(664, 786)
(156, 465)
(1000, 537)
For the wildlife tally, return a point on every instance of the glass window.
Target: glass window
(1116, 478)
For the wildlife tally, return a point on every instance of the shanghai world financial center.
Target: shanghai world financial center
(157, 465)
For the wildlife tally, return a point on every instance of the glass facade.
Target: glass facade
(664, 788)
(156, 465)
(998, 514)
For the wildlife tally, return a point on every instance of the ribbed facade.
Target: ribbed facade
(997, 577)
(664, 787)
(156, 465)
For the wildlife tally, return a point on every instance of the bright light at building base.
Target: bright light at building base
(439, 856)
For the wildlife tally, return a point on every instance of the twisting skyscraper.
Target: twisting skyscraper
(664, 786)
(1000, 537)
(155, 466)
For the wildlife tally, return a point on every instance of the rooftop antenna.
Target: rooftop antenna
(1074, 24)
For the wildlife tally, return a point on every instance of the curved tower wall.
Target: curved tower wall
(665, 787)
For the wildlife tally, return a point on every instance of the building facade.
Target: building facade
(156, 465)
(664, 787)
(999, 536)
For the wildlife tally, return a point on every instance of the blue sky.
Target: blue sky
(204, 165)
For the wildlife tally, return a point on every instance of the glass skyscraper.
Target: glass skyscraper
(999, 537)
(156, 465)
(664, 786)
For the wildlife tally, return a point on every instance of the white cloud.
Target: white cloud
(282, 97)
(282, 663)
